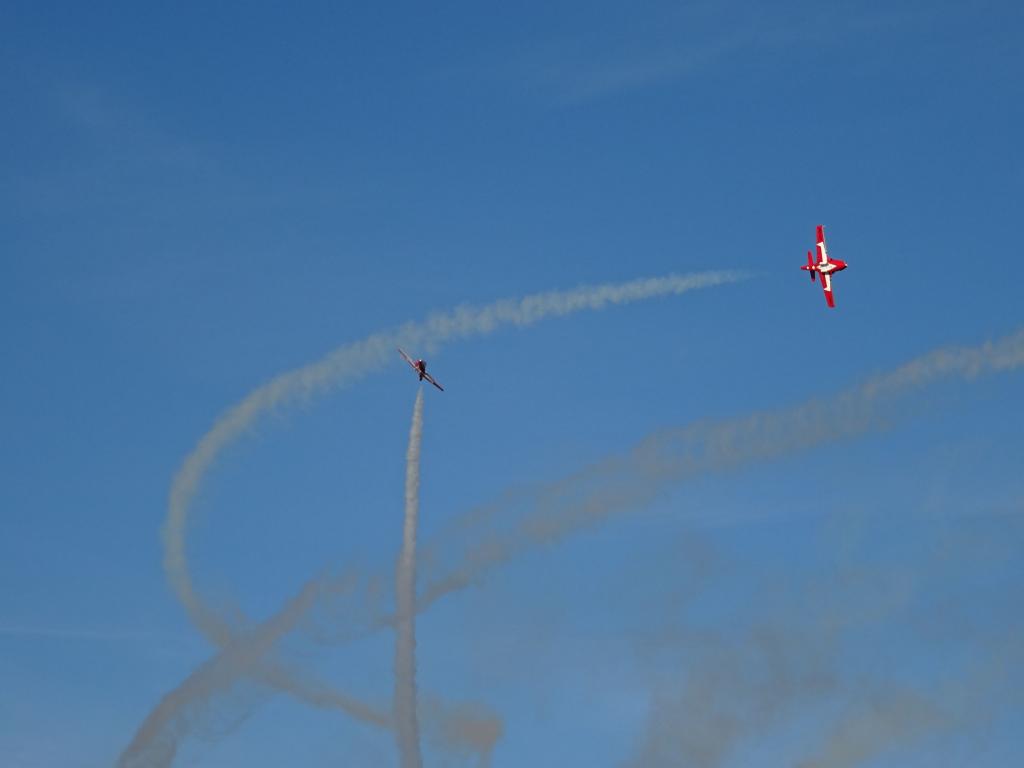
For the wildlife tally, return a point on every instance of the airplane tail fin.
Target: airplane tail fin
(810, 264)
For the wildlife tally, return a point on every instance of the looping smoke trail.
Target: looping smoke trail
(406, 725)
(352, 361)
(343, 365)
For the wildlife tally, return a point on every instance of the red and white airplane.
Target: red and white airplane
(420, 366)
(824, 266)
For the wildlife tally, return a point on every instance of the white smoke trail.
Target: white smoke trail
(351, 361)
(344, 365)
(406, 725)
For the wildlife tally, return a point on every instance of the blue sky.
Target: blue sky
(197, 199)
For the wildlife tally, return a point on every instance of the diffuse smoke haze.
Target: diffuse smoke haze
(792, 651)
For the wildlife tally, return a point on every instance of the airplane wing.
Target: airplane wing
(822, 252)
(826, 285)
(408, 359)
(433, 381)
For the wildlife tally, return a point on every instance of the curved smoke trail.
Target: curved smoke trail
(341, 366)
(406, 725)
(518, 520)
(352, 361)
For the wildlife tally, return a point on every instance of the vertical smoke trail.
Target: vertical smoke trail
(406, 726)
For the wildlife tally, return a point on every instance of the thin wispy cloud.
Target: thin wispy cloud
(689, 42)
(591, 76)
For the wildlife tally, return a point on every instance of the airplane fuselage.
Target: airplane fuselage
(825, 265)
(826, 269)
